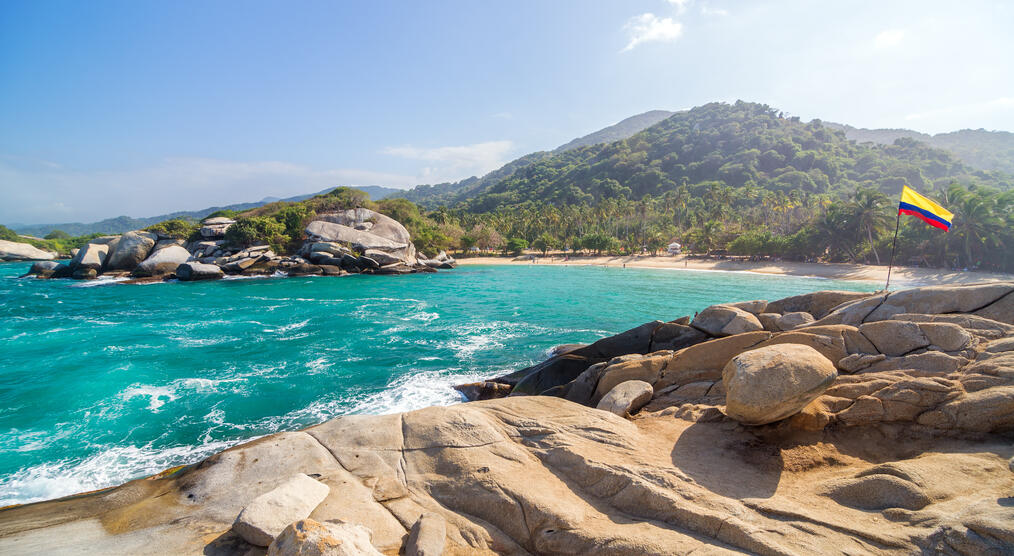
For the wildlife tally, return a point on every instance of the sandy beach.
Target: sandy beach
(901, 276)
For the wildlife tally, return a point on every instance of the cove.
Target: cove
(101, 383)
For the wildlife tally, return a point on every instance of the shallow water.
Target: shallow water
(101, 383)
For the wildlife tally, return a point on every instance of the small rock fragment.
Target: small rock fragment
(265, 517)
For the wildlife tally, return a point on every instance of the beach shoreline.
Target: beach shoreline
(900, 275)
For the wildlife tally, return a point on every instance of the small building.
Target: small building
(674, 248)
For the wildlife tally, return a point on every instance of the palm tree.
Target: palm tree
(977, 223)
(869, 208)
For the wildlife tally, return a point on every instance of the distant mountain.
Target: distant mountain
(622, 130)
(980, 149)
(122, 224)
(718, 145)
(451, 193)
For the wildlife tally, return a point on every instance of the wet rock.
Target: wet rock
(771, 383)
(44, 269)
(304, 269)
(267, 515)
(84, 273)
(192, 271)
(485, 390)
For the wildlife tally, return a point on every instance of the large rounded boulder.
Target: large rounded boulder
(726, 320)
(771, 383)
(366, 230)
(15, 251)
(131, 250)
(162, 261)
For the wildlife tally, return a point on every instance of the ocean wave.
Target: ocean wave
(158, 396)
(100, 281)
(107, 468)
(288, 327)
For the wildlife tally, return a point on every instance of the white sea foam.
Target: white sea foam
(415, 391)
(100, 281)
(157, 395)
(288, 327)
(110, 467)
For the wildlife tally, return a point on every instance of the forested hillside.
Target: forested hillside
(720, 145)
(979, 148)
(741, 178)
(449, 194)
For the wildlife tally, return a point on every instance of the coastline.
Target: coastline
(900, 276)
(648, 452)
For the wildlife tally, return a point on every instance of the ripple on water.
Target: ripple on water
(99, 385)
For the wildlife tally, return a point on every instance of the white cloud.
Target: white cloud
(502, 116)
(889, 38)
(651, 28)
(47, 193)
(455, 162)
(708, 10)
(680, 5)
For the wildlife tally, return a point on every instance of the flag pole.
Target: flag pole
(894, 245)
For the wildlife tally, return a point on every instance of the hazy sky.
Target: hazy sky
(143, 107)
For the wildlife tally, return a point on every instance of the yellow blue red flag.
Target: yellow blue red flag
(925, 209)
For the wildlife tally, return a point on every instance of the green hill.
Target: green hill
(980, 149)
(451, 193)
(733, 145)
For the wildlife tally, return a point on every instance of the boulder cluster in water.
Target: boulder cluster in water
(832, 422)
(355, 241)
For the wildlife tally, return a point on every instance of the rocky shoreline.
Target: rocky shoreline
(354, 241)
(828, 422)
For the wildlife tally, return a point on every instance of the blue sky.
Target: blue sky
(140, 108)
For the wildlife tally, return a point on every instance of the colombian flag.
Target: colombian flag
(921, 207)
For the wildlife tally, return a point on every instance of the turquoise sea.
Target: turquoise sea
(101, 383)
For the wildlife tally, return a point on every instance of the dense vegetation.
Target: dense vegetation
(740, 179)
(745, 179)
(980, 149)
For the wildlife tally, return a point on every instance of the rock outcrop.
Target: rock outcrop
(366, 230)
(339, 243)
(162, 262)
(16, 251)
(900, 453)
(131, 250)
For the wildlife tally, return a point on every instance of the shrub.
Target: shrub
(227, 213)
(176, 228)
(256, 230)
(57, 234)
